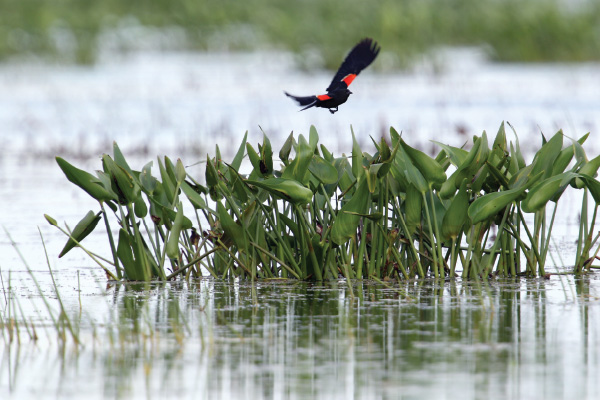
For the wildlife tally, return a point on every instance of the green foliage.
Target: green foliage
(315, 216)
(536, 30)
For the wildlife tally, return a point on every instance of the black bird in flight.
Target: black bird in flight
(359, 58)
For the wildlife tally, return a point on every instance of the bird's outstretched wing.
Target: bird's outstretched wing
(359, 58)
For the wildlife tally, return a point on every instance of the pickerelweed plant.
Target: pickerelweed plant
(397, 213)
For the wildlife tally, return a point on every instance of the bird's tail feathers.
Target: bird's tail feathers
(303, 100)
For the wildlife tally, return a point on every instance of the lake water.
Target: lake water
(525, 339)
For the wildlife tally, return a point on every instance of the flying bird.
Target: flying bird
(359, 58)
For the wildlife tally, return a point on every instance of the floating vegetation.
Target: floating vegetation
(396, 214)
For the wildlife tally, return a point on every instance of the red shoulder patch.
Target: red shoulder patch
(323, 97)
(348, 79)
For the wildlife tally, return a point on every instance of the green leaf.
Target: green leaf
(545, 157)
(50, 220)
(287, 189)
(411, 172)
(147, 181)
(193, 196)
(357, 158)
(387, 158)
(120, 159)
(298, 169)
(327, 154)
(82, 229)
(172, 246)
(593, 186)
(372, 176)
(166, 214)
(266, 157)
(134, 268)
(239, 156)
(254, 159)
(348, 218)
(231, 228)
(284, 153)
(474, 161)
(517, 155)
(180, 173)
(413, 206)
(313, 137)
(88, 182)
(545, 191)
(431, 170)
(589, 169)
(139, 207)
(167, 183)
(456, 215)
(499, 149)
(122, 181)
(457, 156)
(323, 170)
(395, 136)
(487, 206)
(449, 187)
(212, 179)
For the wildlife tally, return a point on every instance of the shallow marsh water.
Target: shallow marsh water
(525, 339)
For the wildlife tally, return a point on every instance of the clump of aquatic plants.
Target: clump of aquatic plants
(398, 213)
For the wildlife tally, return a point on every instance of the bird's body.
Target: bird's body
(359, 58)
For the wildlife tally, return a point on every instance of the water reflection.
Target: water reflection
(278, 339)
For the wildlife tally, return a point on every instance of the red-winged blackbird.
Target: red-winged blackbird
(359, 58)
